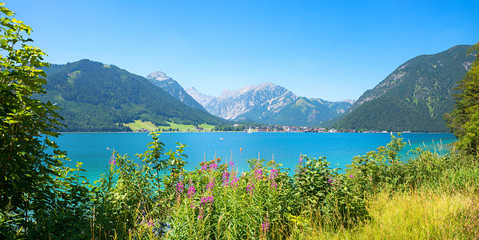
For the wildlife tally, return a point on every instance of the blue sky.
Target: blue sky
(333, 50)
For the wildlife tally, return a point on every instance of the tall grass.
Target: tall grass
(379, 196)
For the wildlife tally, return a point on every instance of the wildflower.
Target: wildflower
(351, 176)
(232, 163)
(191, 191)
(211, 184)
(179, 188)
(192, 206)
(226, 178)
(265, 227)
(112, 160)
(273, 174)
(205, 200)
(330, 180)
(300, 159)
(213, 166)
(258, 173)
(234, 181)
(204, 167)
(250, 188)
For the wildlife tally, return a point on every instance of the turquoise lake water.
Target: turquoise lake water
(94, 149)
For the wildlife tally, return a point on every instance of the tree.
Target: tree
(27, 163)
(464, 119)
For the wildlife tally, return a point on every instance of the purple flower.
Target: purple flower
(258, 173)
(300, 159)
(234, 181)
(191, 191)
(205, 200)
(226, 178)
(351, 176)
(211, 184)
(204, 167)
(330, 180)
(265, 227)
(213, 166)
(232, 163)
(112, 160)
(179, 187)
(273, 174)
(250, 188)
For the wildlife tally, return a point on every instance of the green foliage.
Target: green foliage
(39, 197)
(464, 119)
(412, 98)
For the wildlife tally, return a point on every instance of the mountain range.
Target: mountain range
(99, 97)
(270, 104)
(414, 97)
(172, 87)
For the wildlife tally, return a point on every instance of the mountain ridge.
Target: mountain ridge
(171, 86)
(100, 97)
(421, 91)
(269, 103)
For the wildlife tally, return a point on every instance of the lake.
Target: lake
(95, 149)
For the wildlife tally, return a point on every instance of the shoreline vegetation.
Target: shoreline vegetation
(380, 195)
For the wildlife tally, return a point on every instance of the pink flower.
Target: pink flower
(112, 160)
(234, 181)
(265, 227)
(179, 188)
(258, 173)
(211, 184)
(191, 191)
(250, 188)
(351, 176)
(226, 178)
(213, 166)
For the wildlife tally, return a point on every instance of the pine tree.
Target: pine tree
(464, 119)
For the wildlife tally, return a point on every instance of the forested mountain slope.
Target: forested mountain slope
(414, 97)
(99, 97)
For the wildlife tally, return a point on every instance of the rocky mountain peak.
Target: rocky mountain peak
(158, 76)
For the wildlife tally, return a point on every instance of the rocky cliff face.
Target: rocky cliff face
(172, 87)
(269, 103)
(268, 96)
(201, 98)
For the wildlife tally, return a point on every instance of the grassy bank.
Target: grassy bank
(378, 196)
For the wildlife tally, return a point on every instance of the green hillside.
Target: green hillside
(414, 97)
(98, 97)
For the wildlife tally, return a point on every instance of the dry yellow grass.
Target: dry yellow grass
(411, 215)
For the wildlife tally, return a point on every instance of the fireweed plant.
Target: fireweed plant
(156, 197)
